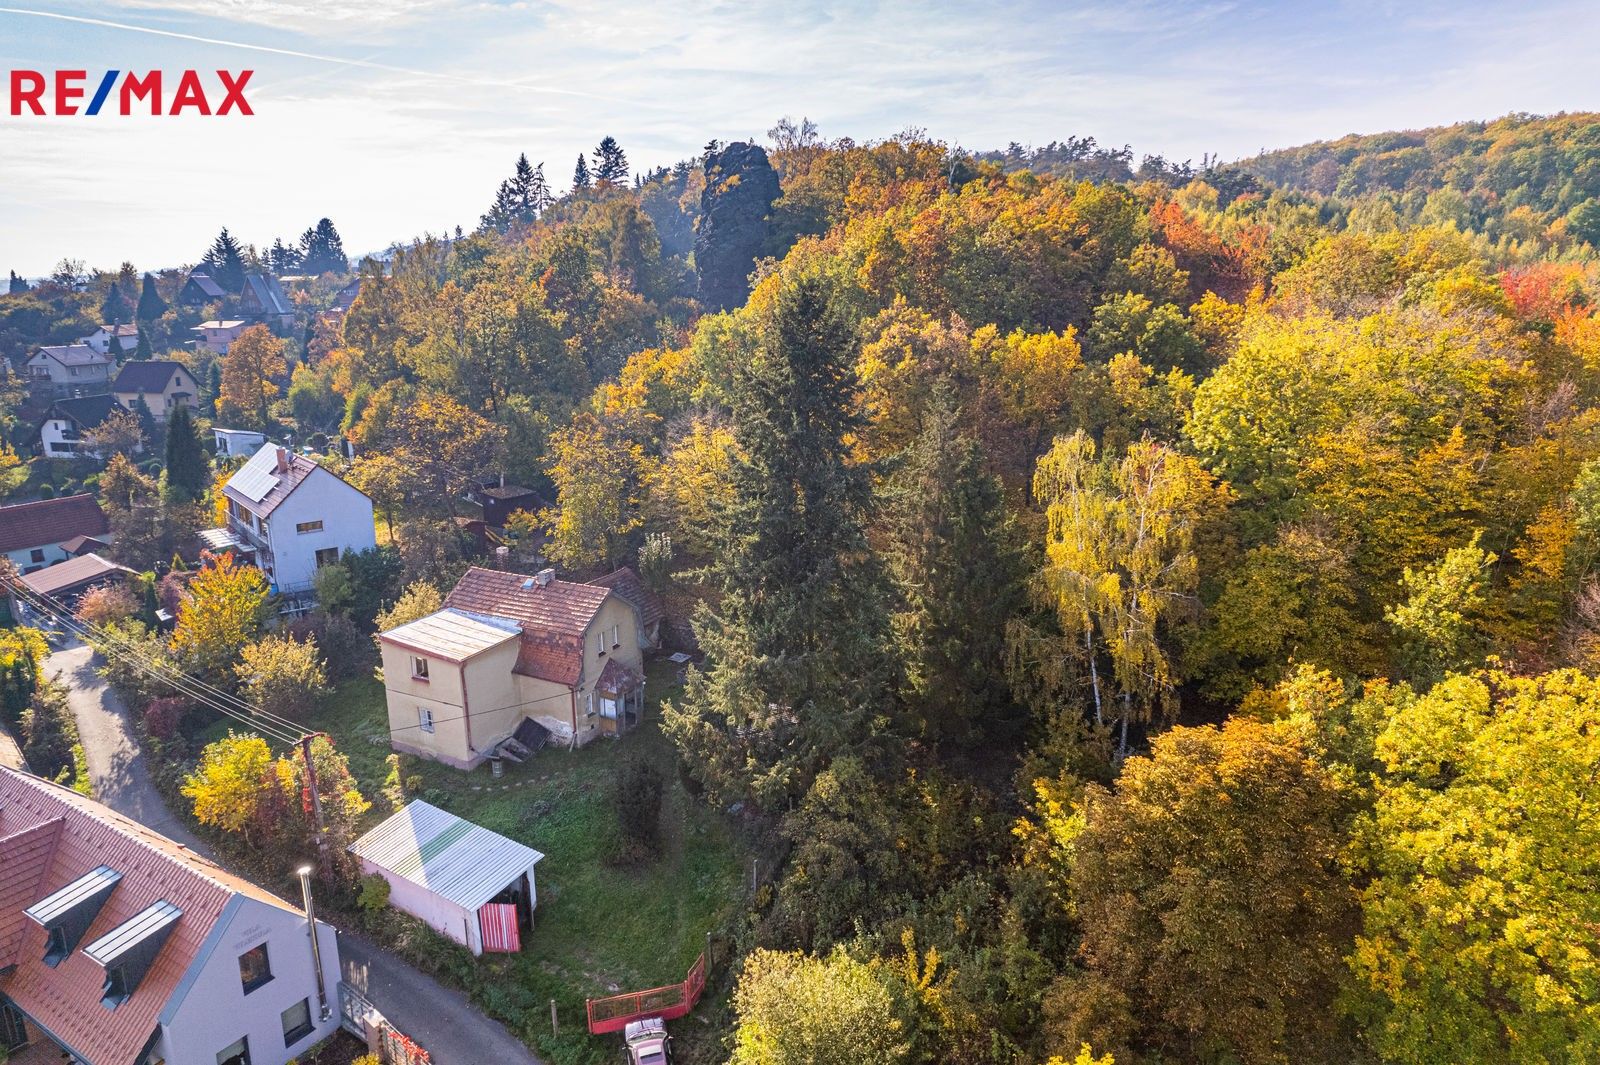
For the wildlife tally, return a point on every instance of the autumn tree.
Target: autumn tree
(1439, 621)
(119, 434)
(447, 447)
(598, 477)
(235, 778)
(692, 481)
(282, 675)
(418, 601)
(223, 613)
(1213, 909)
(1476, 941)
(799, 1010)
(795, 663)
(250, 371)
(1121, 564)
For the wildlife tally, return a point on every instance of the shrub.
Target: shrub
(282, 675)
(374, 894)
(346, 653)
(107, 605)
(636, 798)
(164, 716)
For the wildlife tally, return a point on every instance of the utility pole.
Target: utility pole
(316, 800)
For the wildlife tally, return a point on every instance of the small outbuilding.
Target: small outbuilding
(467, 883)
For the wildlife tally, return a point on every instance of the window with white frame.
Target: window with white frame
(419, 668)
(425, 719)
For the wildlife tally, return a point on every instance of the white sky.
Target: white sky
(399, 117)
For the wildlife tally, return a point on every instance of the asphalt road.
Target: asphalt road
(441, 1019)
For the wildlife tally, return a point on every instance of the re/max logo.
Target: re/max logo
(188, 93)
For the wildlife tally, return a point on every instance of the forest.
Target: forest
(1147, 613)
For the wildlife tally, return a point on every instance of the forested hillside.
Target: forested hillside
(1145, 618)
(1524, 179)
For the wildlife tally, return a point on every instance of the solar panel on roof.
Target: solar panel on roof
(255, 479)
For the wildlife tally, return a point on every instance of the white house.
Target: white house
(100, 339)
(70, 370)
(293, 516)
(232, 442)
(219, 336)
(467, 883)
(61, 432)
(46, 531)
(120, 947)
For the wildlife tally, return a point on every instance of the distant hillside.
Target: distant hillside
(1469, 173)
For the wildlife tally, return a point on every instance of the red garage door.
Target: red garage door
(498, 922)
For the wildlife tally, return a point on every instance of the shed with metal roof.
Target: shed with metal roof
(470, 884)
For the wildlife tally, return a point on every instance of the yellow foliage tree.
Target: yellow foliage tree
(253, 360)
(222, 613)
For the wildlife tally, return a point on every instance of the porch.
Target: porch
(620, 690)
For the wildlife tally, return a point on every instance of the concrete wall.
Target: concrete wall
(215, 1011)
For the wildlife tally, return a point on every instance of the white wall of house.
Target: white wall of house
(231, 442)
(443, 916)
(59, 437)
(215, 1011)
(28, 559)
(219, 338)
(71, 380)
(100, 340)
(323, 513)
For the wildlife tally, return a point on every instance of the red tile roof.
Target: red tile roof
(51, 521)
(549, 656)
(66, 999)
(627, 584)
(556, 608)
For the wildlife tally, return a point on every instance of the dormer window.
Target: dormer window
(67, 914)
(128, 951)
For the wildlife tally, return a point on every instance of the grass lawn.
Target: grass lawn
(598, 929)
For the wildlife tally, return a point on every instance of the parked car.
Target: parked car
(646, 1042)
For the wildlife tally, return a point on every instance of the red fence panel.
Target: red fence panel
(498, 923)
(669, 1003)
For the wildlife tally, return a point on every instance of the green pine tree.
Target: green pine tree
(188, 472)
(580, 176)
(114, 308)
(956, 559)
(151, 305)
(143, 351)
(610, 163)
(800, 662)
(224, 262)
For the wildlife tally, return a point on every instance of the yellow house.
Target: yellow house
(509, 649)
(161, 384)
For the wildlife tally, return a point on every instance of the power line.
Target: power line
(196, 689)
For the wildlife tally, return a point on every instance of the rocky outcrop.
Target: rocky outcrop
(735, 211)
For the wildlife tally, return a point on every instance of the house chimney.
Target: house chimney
(304, 873)
(544, 577)
(502, 557)
(283, 460)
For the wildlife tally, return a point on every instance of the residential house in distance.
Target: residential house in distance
(199, 290)
(626, 583)
(263, 300)
(35, 535)
(61, 432)
(467, 883)
(120, 947)
(162, 385)
(289, 516)
(69, 370)
(100, 340)
(508, 650)
(499, 501)
(232, 442)
(66, 582)
(218, 336)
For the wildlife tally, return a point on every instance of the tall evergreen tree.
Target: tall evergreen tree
(799, 663)
(610, 163)
(114, 346)
(18, 284)
(143, 352)
(580, 176)
(322, 250)
(520, 198)
(956, 558)
(115, 308)
(187, 469)
(224, 262)
(284, 258)
(151, 305)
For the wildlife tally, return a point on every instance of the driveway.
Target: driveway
(441, 1019)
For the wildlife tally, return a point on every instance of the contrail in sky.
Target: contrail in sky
(340, 60)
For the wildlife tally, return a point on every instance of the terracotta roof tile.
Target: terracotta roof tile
(549, 656)
(24, 858)
(51, 521)
(66, 999)
(560, 607)
(626, 583)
